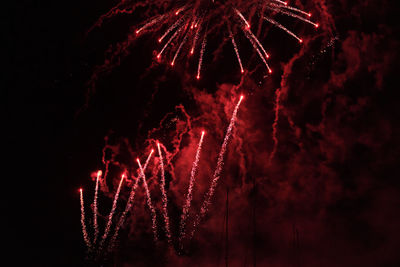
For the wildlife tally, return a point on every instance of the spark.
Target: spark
(95, 225)
(84, 231)
(110, 216)
(129, 203)
(149, 202)
(217, 173)
(236, 49)
(189, 196)
(203, 48)
(164, 195)
(283, 28)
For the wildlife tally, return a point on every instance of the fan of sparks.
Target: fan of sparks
(185, 26)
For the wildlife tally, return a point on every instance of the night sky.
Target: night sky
(311, 167)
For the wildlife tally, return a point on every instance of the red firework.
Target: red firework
(185, 25)
(99, 249)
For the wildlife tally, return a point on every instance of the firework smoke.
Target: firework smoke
(275, 126)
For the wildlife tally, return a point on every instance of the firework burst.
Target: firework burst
(183, 26)
(98, 249)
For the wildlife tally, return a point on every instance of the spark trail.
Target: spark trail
(218, 169)
(129, 204)
(84, 231)
(164, 195)
(110, 216)
(95, 225)
(190, 18)
(189, 196)
(203, 48)
(149, 202)
(236, 50)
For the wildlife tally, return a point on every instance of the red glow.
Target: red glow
(198, 77)
(99, 173)
(301, 40)
(309, 14)
(270, 71)
(317, 25)
(80, 190)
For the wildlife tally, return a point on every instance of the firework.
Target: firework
(149, 202)
(164, 195)
(189, 196)
(185, 23)
(95, 225)
(129, 203)
(218, 169)
(151, 206)
(110, 216)
(84, 231)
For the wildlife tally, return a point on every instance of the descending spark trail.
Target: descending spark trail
(84, 231)
(189, 196)
(283, 28)
(179, 18)
(236, 49)
(129, 203)
(150, 23)
(169, 41)
(110, 216)
(164, 195)
(218, 169)
(203, 48)
(196, 37)
(149, 202)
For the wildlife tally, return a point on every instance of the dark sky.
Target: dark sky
(328, 196)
